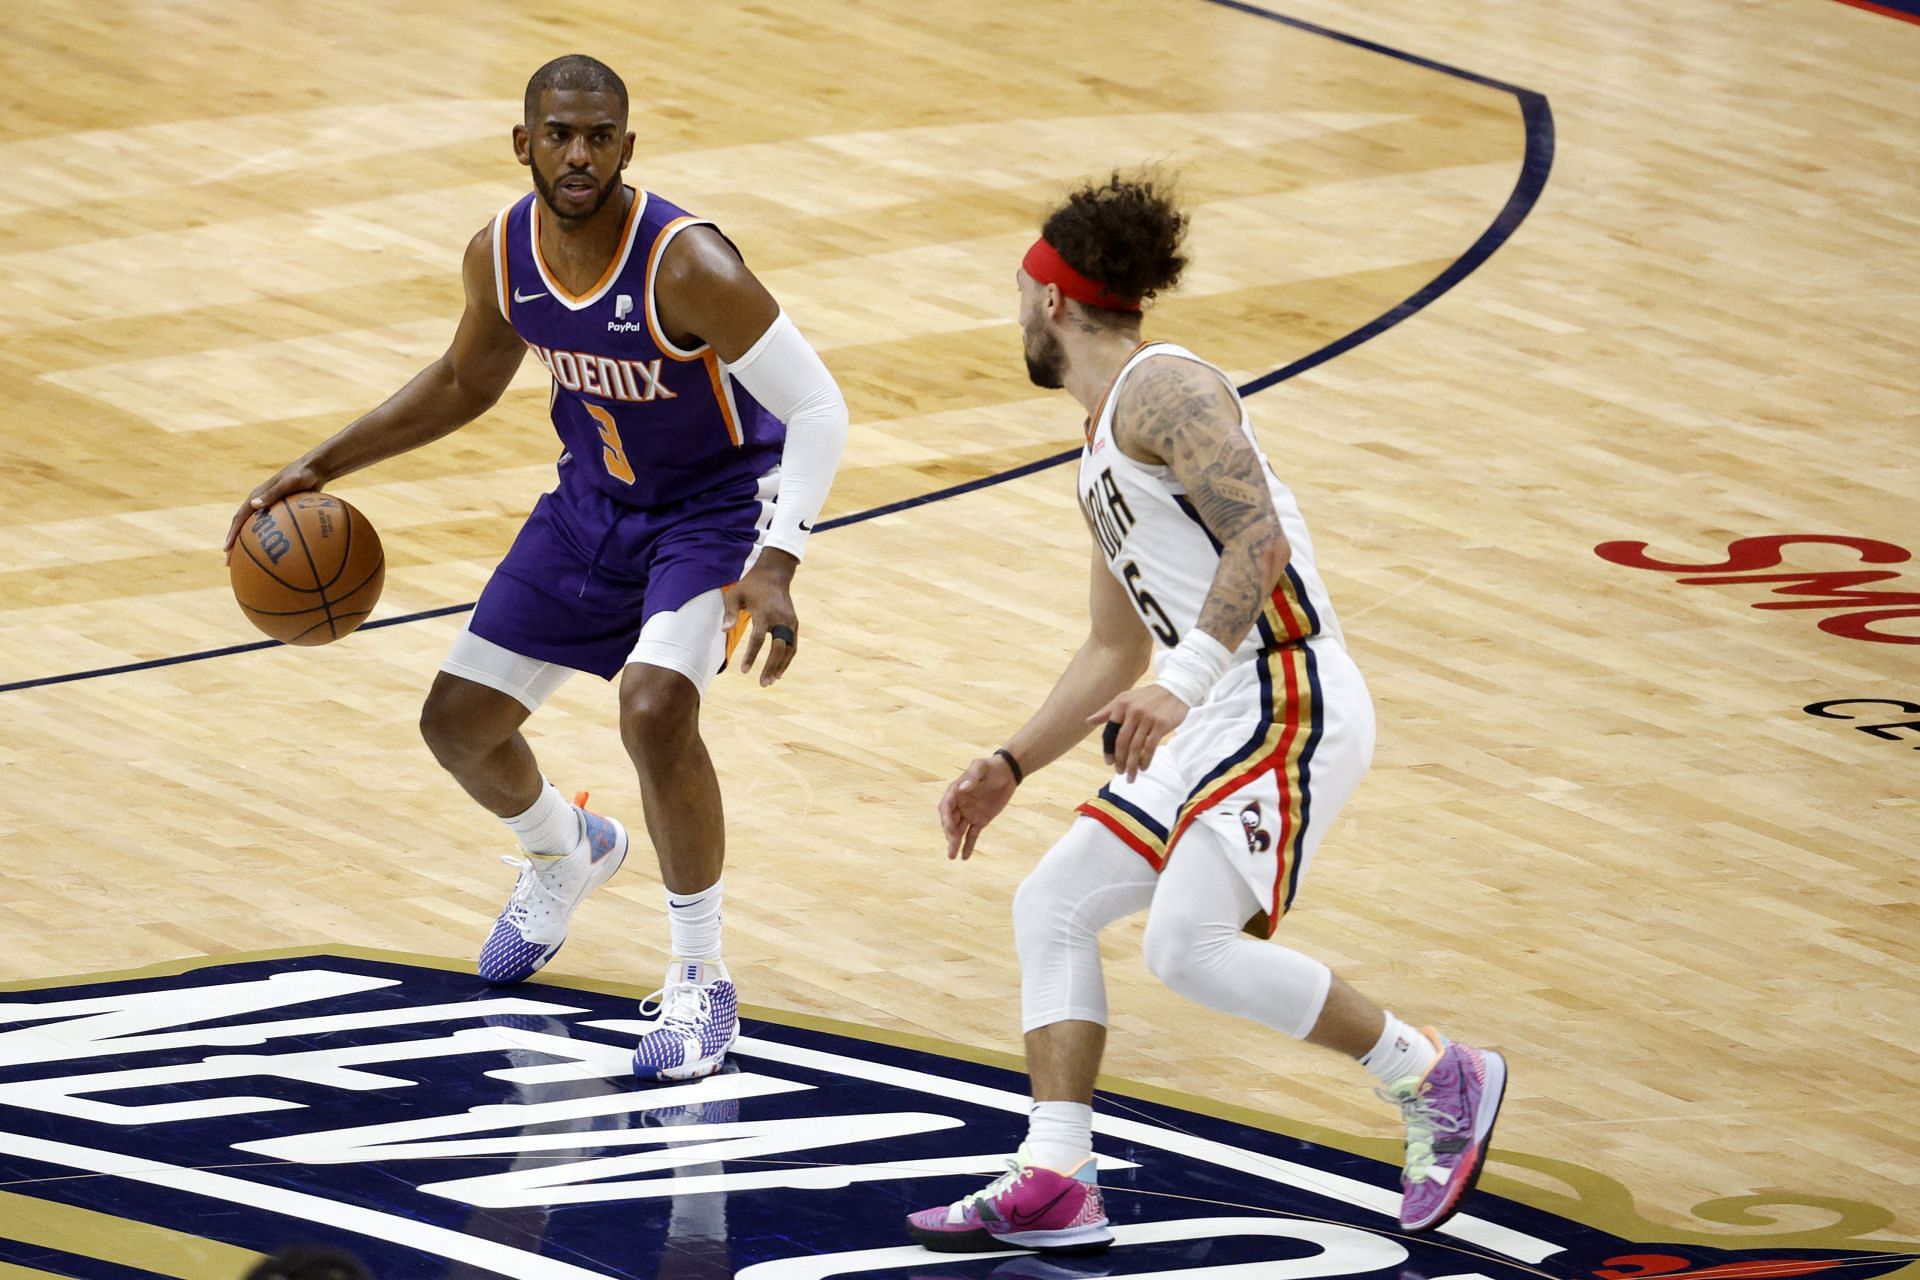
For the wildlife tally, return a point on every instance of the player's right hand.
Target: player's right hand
(295, 477)
(973, 800)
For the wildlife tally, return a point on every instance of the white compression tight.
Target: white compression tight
(1194, 944)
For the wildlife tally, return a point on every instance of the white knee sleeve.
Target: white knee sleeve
(1195, 946)
(1088, 880)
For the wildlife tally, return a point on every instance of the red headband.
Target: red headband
(1044, 263)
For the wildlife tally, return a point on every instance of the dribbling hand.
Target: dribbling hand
(973, 800)
(295, 477)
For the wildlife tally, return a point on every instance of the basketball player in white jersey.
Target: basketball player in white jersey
(1230, 766)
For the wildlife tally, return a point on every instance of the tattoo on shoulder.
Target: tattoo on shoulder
(1182, 415)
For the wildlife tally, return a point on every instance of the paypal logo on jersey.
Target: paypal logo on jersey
(439, 1127)
(622, 308)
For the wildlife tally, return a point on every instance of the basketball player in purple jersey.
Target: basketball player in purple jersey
(700, 434)
(1200, 554)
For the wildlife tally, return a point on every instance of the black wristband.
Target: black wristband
(1019, 774)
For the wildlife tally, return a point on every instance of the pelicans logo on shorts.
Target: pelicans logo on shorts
(1253, 822)
(179, 1124)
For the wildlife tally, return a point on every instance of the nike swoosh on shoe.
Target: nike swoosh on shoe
(1021, 1221)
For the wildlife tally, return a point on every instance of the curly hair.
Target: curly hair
(1126, 233)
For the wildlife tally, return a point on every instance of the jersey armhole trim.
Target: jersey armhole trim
(660, 242)
(501, 288)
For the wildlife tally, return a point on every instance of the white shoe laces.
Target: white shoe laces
(1424, 1124)
(1016, 1169)
(531, 900)
(683, 1006)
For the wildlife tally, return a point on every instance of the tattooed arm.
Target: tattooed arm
(1179, 414)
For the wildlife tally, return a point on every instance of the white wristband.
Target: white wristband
(1194, 666)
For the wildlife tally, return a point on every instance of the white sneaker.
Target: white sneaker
(534, 922)
(699, 1019)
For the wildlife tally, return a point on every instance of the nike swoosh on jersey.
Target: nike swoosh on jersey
(526, 297)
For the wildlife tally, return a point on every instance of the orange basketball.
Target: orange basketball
(308, 569)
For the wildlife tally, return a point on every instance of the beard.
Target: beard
(1046, 361)
(546, 190)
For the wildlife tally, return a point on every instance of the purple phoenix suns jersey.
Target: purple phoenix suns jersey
(646, 422)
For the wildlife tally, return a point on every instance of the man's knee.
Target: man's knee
(1036, 911)
(1184, 953)
(463, 722)
(1087, 880)
(1161, 946)
(1052, 902)
(659, 711)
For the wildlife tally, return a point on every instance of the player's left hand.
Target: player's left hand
(766, 596)
(1145, 716)
(974, 799)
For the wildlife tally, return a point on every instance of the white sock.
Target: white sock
(693, 923)
(551, 827)
(1060, 1135)
(1400, 1052)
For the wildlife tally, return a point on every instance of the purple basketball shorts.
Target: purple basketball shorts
(586, 573)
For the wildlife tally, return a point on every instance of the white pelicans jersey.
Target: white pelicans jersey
(1260, 767)
(1164, 556)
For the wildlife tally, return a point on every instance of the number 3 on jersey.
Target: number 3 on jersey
(613, 455)
(1150, 611)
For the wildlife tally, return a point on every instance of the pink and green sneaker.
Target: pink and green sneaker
(1027, 1207)
(1449, 1114)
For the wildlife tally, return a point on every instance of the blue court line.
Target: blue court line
(1341, 37)
(1535, 166)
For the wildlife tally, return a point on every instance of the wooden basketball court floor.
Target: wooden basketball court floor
(1601, 832)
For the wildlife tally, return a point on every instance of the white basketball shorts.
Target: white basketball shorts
(1266, 761)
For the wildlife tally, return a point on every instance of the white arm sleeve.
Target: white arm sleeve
(783, 372)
